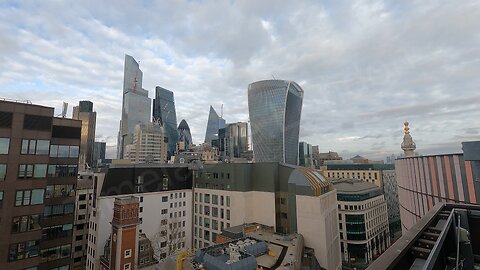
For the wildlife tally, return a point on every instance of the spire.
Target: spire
(408, 145)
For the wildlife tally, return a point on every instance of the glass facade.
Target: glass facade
(275, 109)
(214, 123)
(136, 106)
(184, 134)
(164, 111)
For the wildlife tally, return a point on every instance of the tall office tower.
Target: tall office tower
(184, 136)
(214, 124)
(363, 222)
(149, 144)
(99, 149)
(305, 155)
(275, 107)
(424, 181)
(288, 198)
(136, 105)
(164, 112)
(234, 139)
(38, 172)
(408, 145)
(164, 193)
(84, 111)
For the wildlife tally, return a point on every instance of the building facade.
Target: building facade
(390, 191)
(164, 194)
(234, 140)
(84, 112)
(305, 155)
(38, 168)
(275, 108)
(372, 173)
(184, 136)
(363, 221)
(214, 124)
(287, 198)
(149, 144)
(164, 112)
(136, 105)
(99, 150)
(424, 181)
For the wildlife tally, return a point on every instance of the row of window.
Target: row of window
(213, 213)
(41, 147)
(59, 191)
(58, 209)
(55, 253)
(26, 223)
(29, 197)
(199, 197)
(26, 171)
(23, 250)
(58, 231)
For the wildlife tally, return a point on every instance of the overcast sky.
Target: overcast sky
(365, 66)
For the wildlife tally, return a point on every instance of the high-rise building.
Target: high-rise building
(424, 181)
(164, 112)
(136, 105)
(149, 144)
(38, 173)
(184, 136)
(233, 140)
(99, 150)
(214, 124)
(84, 112)
(275, 107)
(288, 198)
(363, 221)
(305, 155)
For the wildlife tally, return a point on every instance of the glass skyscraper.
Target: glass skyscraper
(214, 123)
(184, 135)
(275, 108)
(164, 112)
(136, 105)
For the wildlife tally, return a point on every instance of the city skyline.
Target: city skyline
(365, 68)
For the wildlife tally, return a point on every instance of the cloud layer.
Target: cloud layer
(365, 66)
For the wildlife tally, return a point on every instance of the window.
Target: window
(164, 198)
(55, 253)
(228, 214)
(29, 197)
(3, 171)
(64, 151)
(215, 199)
(35, 147)
(127, 266)
(25, 171)
(26, 223)
(1, 198)
(23, 250)
(214, 212)
(128, 253)
(58, 231)
(228, 201)
(62, 170)
(59, 191)
(207, 198)
(40, 171)
(59, 210)
(4, 146)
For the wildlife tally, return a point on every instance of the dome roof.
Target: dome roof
(183, 125)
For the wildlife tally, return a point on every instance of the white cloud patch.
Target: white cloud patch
(365, 66)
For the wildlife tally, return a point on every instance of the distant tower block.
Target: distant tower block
(408, 145)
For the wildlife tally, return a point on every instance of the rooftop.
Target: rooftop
(354, 186)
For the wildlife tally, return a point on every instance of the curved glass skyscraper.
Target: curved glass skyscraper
(275, 107)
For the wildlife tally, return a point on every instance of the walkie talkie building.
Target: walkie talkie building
(275, 108)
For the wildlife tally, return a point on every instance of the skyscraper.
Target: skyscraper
(184, 136)
(214, 123)
(84, 111)
(234, 141)
(99, 150)
(136, 106)
(164, 112)
(275, 108)
(149, 144)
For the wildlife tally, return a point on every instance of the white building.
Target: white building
(149, 144)
(363, 221)
(165, 196)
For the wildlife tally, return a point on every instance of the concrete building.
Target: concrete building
(275, 108)
(149, 144)
(363, 221)
(38, 168)
(288, 198)
(164, 193)
(164, 113)
(305, 155)
(424, 181)
(136, 105)
(372, 173)
(99, 150)
(83, 205)
(84, 112)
